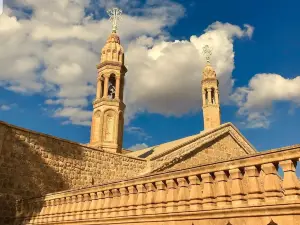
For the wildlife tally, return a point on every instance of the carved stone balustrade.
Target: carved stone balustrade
(241, 185)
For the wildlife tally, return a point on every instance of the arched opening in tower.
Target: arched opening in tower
(112, 86)
(213, 99)
(206, 96)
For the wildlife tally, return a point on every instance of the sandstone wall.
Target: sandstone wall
(33, 164)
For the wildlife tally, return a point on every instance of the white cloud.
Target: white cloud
(5, 107)
(256, 100)
(54, 51)
(55, 48)
(138, 147)
(75, 115)
(165, 78)
(139, 132)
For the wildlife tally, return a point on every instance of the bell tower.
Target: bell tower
(108, 107)
(210, 94)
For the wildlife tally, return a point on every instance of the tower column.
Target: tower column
(217, 96)
(105, 86)
(99, 88)
(118, 87)
(209, 95)
(203, 98)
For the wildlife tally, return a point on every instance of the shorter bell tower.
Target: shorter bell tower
(108, 114)
(210, 94)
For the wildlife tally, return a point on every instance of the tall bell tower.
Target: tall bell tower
(210, 94)
(108, 114)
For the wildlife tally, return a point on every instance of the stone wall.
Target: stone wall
(33, 164)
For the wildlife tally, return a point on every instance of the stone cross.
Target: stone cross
(114, 16)
(207, 52)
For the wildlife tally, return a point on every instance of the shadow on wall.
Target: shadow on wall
(29, 167)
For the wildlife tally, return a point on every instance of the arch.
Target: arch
(109, 120)
(112, 86)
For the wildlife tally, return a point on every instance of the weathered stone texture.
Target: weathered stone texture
(223, 148)
(33, 164)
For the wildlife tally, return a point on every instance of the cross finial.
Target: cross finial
(207, 52)
(114, 16)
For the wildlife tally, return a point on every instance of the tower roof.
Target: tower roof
(113, 38)
(209, 72)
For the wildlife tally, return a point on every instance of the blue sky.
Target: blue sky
(266, 69)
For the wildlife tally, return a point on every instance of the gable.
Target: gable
(216, 145)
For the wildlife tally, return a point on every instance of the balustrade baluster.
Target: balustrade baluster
(62, 209)
(79, 206)
(183, 194)
(93, 206)
(150, 198)
(85, 206)
(132, 200)
(208, 198)
(141, 199)
(107, 203)
(67, 208)
(171, 196)
(160, 197)
(255, 196)
(51, 211)
(123, 201)
(100, 204)
(237, 190)
(115, 202)
(58, 209)
(222, 193)
(72, 214)
(272, 188)
(195, 193)
(290, 183)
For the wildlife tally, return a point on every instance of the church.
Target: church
(214, 177)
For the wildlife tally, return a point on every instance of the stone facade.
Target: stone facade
(34, 164)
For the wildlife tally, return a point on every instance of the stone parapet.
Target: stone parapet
(242, 190)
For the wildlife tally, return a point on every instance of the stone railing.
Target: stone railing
(251, 181)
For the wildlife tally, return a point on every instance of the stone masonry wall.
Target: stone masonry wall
(33, 164)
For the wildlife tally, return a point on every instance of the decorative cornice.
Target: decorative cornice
(112, 63)
(208, 80)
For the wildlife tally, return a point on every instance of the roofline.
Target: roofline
(66, 140)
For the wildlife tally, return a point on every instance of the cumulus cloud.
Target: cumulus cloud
(255, 101)
(52, 48)
(137, 147)
(138, 132)
(164, 77)
(5, 107)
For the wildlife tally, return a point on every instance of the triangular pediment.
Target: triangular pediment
(222, 143)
